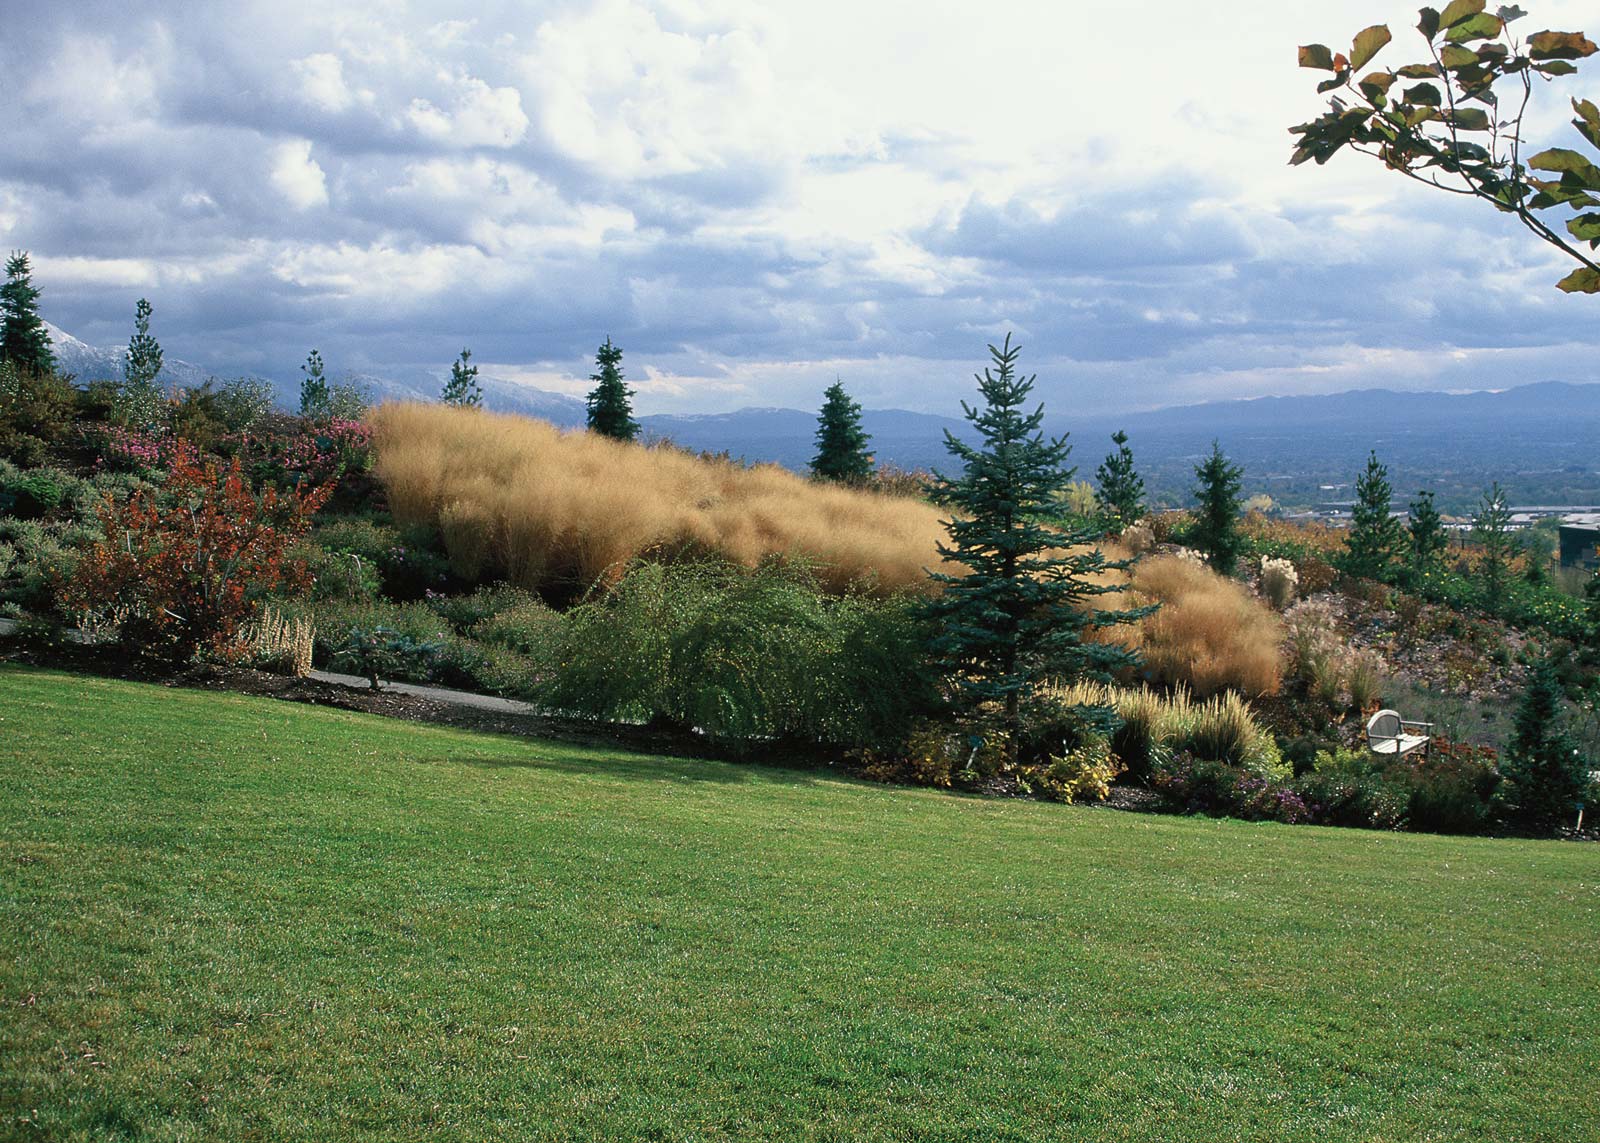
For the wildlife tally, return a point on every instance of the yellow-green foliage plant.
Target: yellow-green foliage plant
(1084, 773)
(1155, 725)
(1210, 634)
(519, 499)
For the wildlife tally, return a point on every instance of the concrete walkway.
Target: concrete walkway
(437, 694)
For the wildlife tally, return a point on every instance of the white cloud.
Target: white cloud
(480, 116)
(321, 82)
(96, 83)
(297, 176)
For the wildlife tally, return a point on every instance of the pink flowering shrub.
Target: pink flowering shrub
(323, 452)
(131, 450)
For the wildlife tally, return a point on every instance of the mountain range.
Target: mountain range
(1540, 440)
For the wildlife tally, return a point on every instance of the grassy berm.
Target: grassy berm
(228, 918)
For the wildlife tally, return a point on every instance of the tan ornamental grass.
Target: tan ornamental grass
(275, 642)
(1211, 633)
(550, 510)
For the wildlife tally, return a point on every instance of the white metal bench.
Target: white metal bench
(1388, 733)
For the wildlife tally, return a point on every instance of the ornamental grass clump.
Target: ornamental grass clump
(1156, 726)
(1279, 582)
(1210, 633)
(279, 643)
(552, 511)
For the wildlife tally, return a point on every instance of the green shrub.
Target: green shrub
(1366, 800)
(333, 618)
(467, 612)
(936, 753)
(743, 655)
(1345, 761)
(33, 494)
(379, 653)
(528, 627)
(242, 403)
(1453, 788)
(343, 577)
(43, 554)
(1545, 773)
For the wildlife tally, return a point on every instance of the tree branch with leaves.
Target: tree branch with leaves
(1454, 131)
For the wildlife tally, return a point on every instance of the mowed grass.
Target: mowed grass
(230, 918)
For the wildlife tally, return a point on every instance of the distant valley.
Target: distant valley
(1541, 441)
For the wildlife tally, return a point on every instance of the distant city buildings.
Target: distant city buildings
(1580, 541)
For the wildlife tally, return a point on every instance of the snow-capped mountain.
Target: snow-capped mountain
(104, 363)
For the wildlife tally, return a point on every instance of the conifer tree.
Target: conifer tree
(1426, 533)
(1543, 774)
(1375, 536)
(841, 444)
(610, 413)
(1023, 612)
(139, 398)
(1216, 529)
(1491, 528)
(23, 340)
(1121, 488)
(315, 397)
(462, 389)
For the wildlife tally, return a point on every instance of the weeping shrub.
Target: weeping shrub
(742, 654)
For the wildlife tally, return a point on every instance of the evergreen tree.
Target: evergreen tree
(841, 444)
(1216, 530)
(1491, 528)
(315, 397)
(610, 414)
(1375, 537)
(1427, 537)
(1023, 612)
(23, 340)
(138, 397)
(462, 388)
(1121, 488)
(1543, 775)
(1535, 566)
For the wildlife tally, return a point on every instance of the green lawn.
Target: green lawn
(238, 919)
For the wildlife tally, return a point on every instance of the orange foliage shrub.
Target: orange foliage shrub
(1210, 634)
(1312, 535)
(519, 499)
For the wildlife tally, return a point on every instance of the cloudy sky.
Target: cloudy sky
(752, 198)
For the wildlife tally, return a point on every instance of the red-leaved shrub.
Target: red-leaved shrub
(184, 569)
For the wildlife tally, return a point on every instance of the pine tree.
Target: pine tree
(1023, 612)
(841, 444)
(1121, 488)
(1544, 775)
(1491, 528)
(462, 389)
(1375, 537)
(1427, 537)
(138, 397)
(315, 397)
(23, 340)
(610, 414)
(1216, 530)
